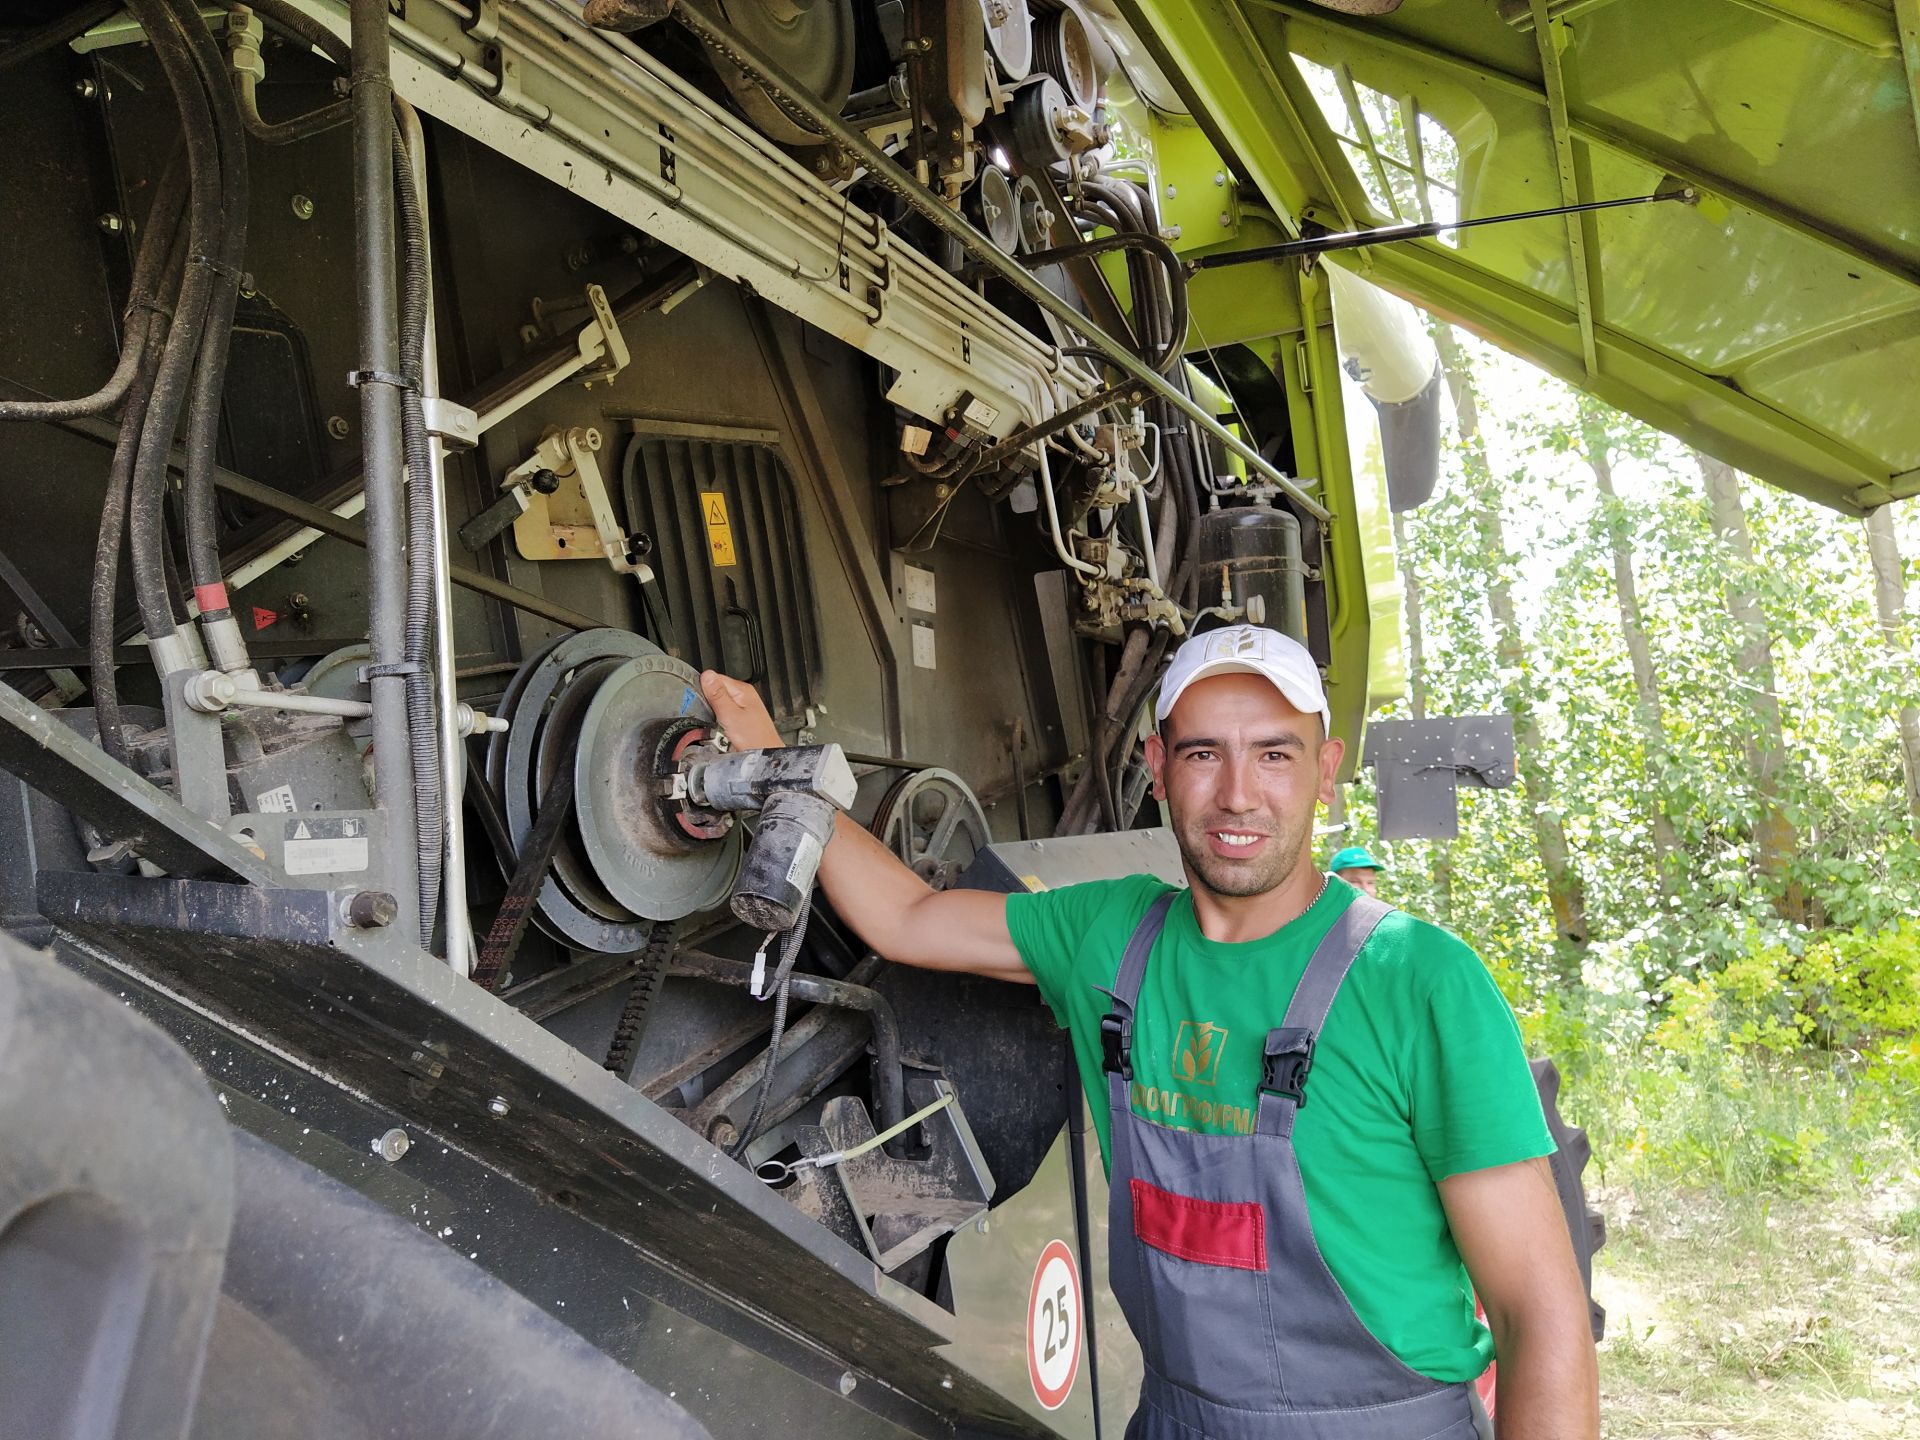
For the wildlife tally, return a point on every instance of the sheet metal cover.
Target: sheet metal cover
(1037, 865)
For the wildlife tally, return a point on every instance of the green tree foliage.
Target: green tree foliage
(1691, 953)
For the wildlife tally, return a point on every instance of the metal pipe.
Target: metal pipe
(1146, 536)
(889, 1083)
(1072, 561)
(379, 382)
(731, 45)
(446, 696)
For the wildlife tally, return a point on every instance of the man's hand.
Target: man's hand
(1512, 1233)
(740, 712)
(889, 906)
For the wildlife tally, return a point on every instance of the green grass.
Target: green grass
(1762, 1276)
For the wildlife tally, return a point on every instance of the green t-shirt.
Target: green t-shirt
(1418, 1074)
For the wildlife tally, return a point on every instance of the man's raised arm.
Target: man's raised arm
(888, 906)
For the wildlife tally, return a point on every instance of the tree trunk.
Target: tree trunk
(1646, 684)
(1440, 864)
(1890, 601)
(1566, 890)
(1774, 841)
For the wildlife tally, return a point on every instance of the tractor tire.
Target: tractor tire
(1571, 1153)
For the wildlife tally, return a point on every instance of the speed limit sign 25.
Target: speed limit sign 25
(1053, 1326)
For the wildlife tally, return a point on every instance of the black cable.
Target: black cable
(210, 374)
(175, 371)
(1151, 245)
(137, 318)
(63, 30)
(789, 952)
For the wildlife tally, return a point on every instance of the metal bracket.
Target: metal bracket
(577, 521)
(602, 345)
(453, 422)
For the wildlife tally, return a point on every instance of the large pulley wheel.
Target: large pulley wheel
(811, 40)
(932, 821)
(648, 857)
(603, 891)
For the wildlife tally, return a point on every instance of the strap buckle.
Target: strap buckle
(1289, 1058)
(1116, 1045)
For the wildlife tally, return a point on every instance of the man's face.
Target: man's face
(1363, 879)
(1242, 773)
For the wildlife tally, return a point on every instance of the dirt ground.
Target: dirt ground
(1761, 1319)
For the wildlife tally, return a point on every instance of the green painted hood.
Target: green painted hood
(1775, 324)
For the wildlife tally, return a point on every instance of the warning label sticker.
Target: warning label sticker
(332, 845)
(277, 801)
(713, 509)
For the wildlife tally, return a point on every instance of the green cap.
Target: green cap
(1355, 857)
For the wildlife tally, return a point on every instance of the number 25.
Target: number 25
(1057, 1307)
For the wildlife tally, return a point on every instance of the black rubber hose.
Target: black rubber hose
(210, 374)
(422, 736)
(57, 32)
(304, 26)
(137, 321)
(103, 596)
(175, 372)
(1151, 245)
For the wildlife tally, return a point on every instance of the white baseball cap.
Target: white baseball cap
(1248, 650)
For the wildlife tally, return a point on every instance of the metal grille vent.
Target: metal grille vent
(728, 551)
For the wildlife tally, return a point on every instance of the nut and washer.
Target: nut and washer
(392, 1145)
(498, 1106)
(303, 207)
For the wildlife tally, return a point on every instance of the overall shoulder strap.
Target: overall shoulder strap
(1289, 1049)
(1116, 1026)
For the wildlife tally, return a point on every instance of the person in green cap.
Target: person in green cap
(1358, 868)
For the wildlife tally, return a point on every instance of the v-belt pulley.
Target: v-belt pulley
(620, 797)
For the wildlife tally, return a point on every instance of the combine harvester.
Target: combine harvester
(400, 402)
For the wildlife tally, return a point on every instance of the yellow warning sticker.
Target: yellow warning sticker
(713, 506)
(1033, 883)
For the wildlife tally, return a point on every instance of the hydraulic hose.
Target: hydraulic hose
(1151, 245)
(57, 32)
(381, 427)
(102, 606)
(225, 642)
(138, 318)
(422, 735)
(175, 372)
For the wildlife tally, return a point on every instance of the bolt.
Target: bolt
(593, 439)
(725, 1134)
(1220, 178)
(1171, 192)
(303, 207)
(498, 1106)
(112, 223)
(392, 1145)
(370, 909)
(940, 492)
(946, 1382)
(847, 1382)
(85, 88)
(1225, 218)
(337, 426)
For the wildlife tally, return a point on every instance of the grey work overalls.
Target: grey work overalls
(1245, 1332)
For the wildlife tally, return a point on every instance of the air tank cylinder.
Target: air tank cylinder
(1251, 562)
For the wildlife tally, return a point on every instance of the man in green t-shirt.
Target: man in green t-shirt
(1293, 1270)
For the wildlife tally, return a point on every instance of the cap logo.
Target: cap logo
(1238, 641)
